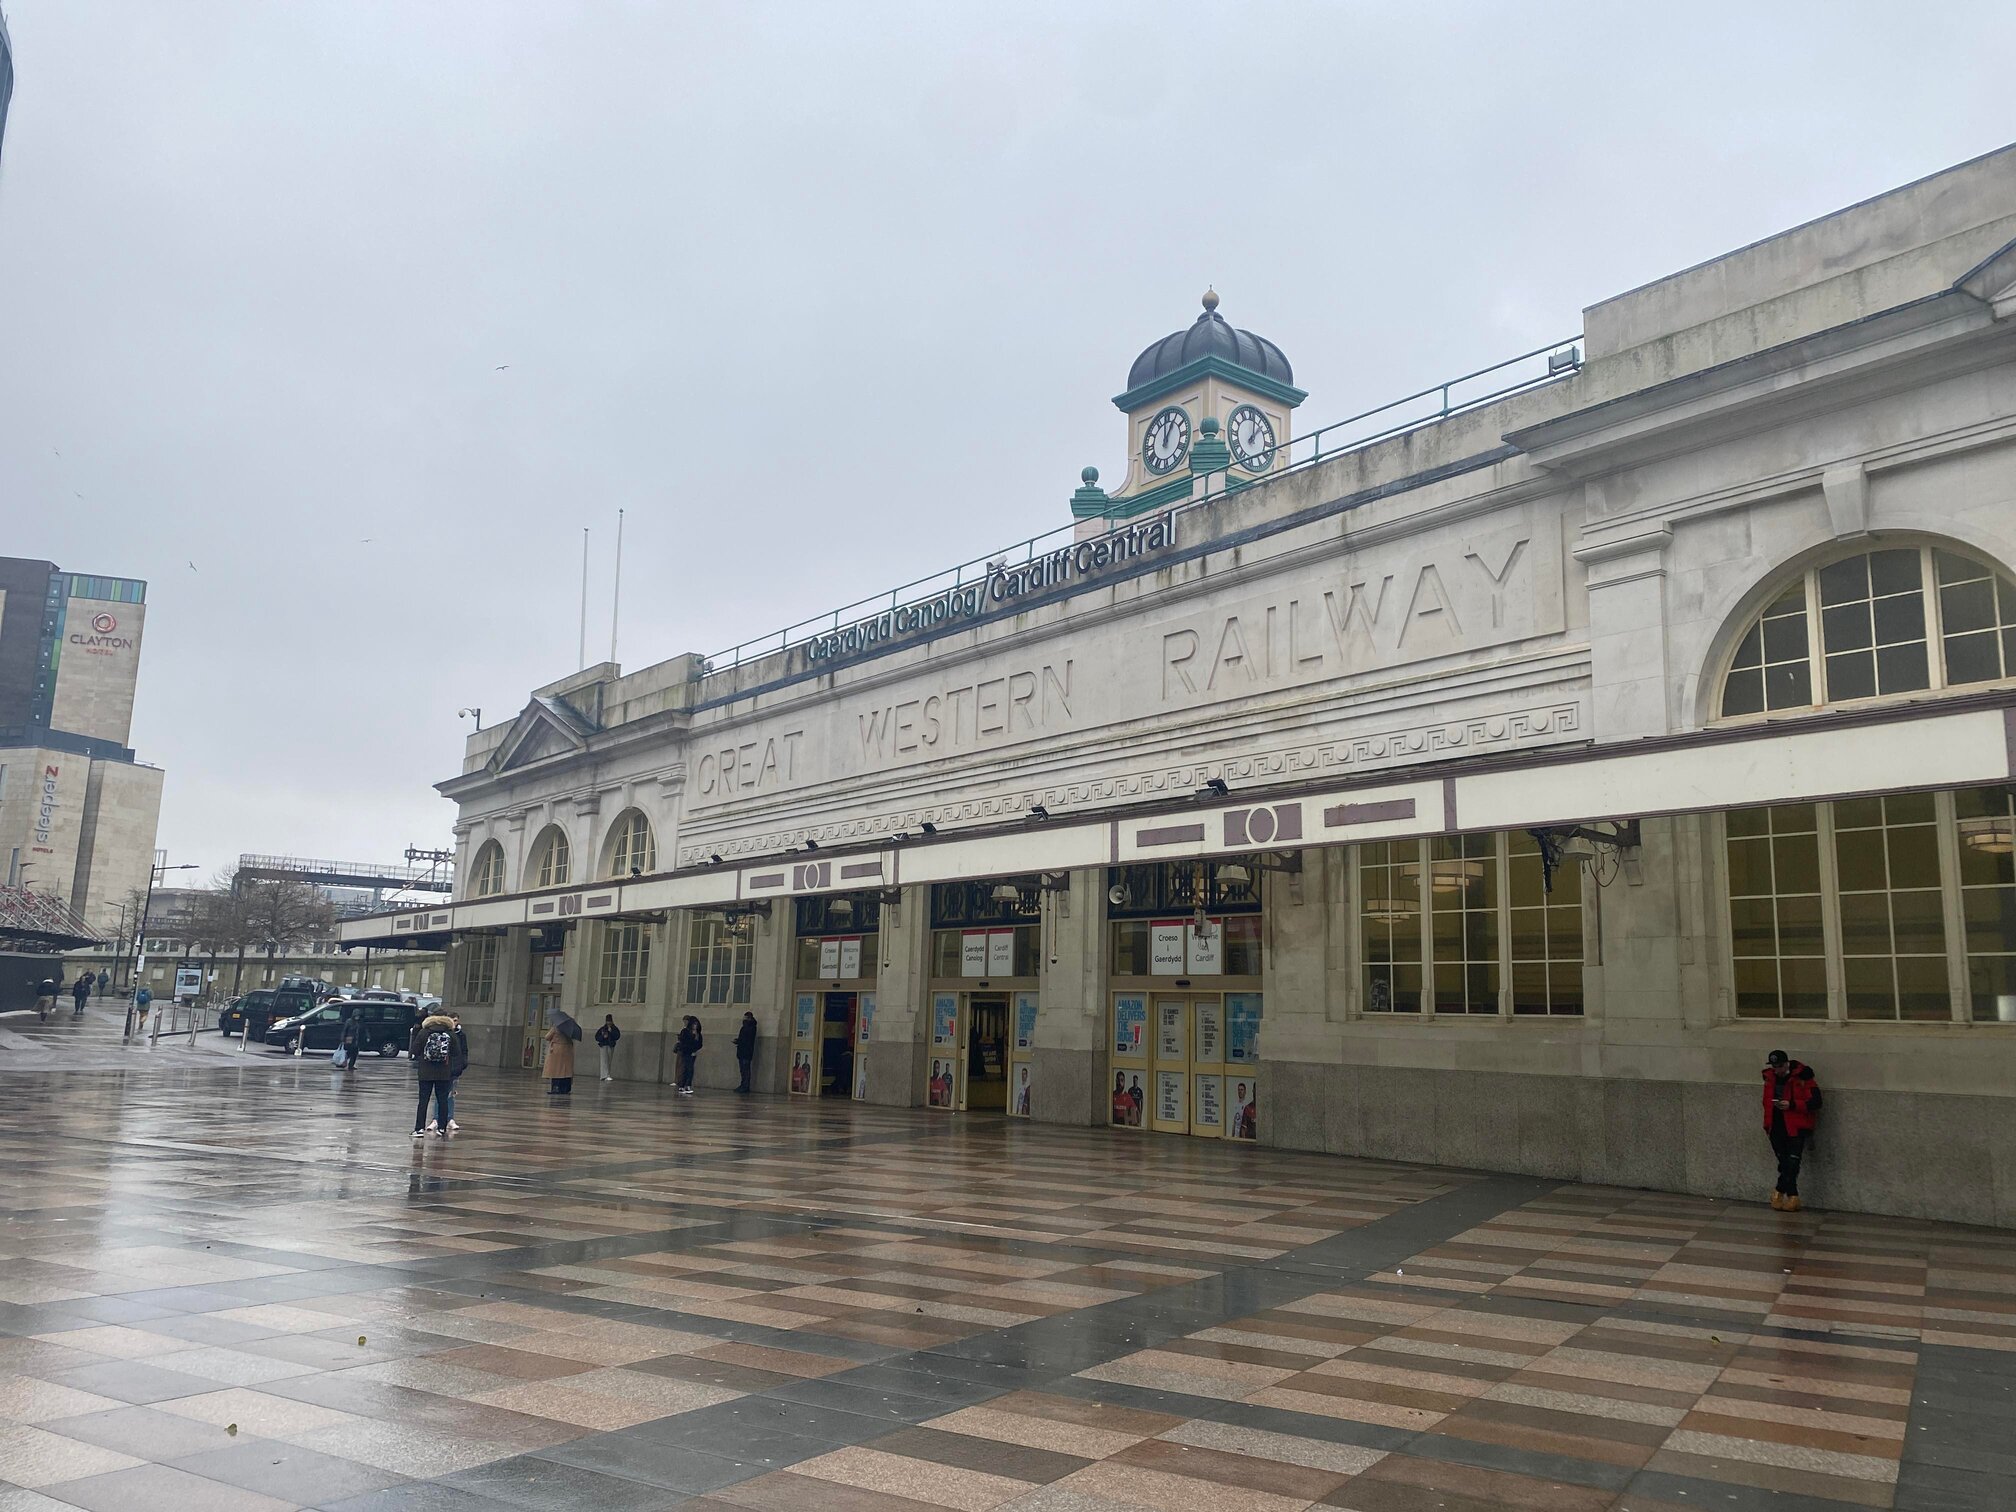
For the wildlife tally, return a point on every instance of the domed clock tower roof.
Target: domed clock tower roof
(1210, 343)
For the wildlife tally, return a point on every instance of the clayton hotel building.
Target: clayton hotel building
(1492, 780)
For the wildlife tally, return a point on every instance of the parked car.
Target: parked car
(255, 1008)
(387, 1027)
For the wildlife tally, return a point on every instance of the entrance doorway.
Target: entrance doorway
(824, 1030)
(970, 1052)
(1173, 1071)
(542, 1006)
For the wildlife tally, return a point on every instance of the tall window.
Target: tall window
(1464, 924)
(625, 964)
(479, 969)
(487, 877)
(719, 957)
(551, 856)
(1904, 619)
(1895, 908)
(632, 848)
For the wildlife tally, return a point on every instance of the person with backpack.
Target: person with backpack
(80, 994)
(560, 1040)
(1791, 1099)
(104, 982)
(605, 1041)
(458, 1062)
(45, 996)
(142, 1001)
(745, 1048)
(684, 1049)
(433, 1049)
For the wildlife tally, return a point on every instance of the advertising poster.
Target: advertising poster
(850, 958)
(1210, 1102)
(1001, 953)
(973, 953)
(1130, 1025)
(1206, 948)
(1169, 1097)
(1018, 1096)
(938, 1091)
(808, 1013)
(945, 1019)
(801, 1073)
(1169, 1032)
(1210, 1034)
(1242, 1039)
(867, 1016)
(1244, 1119)
(1127, 1099)
(1165, 947)
(829, 959)
(1025, 1021)
(860, 1078)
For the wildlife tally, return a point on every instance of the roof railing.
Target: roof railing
(1416, 411)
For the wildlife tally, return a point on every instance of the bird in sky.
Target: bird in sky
(192, 566)
(500, 367)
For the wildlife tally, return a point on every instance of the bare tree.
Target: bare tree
(220, 925)
(277, 915)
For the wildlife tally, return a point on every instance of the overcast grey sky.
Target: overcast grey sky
(826, 295)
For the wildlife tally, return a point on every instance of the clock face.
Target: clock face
(1166, 442)
(1252, 437)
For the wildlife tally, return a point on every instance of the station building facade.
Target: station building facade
(1491, 785)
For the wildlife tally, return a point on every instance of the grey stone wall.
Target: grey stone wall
(1911, 1154)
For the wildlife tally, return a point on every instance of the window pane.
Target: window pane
(1785, 639)
(1841, 582)
(1968, 606)
(1870, 987)
(1914, 856)
(1902, 669)
(1922, 993)
(1973, 658)
(1895, 571)
(1789, 685)
(1852, 675)
(1804, 988)
(1795, 861)
(1846, 628)
(1743, 693)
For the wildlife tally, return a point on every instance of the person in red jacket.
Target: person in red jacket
(1791, 1098)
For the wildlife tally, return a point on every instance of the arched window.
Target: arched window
(551, 858)
(632, 849)
(486, 878)
(1900, 619)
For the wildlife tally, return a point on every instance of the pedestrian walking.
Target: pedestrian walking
(104, 982)
(605, 1042)
(458, 1062)
(142, 1001)
(45, 996)
(1791, 1099)
(560, 1040)
(80, 994)
(684, 1049)
(432, 1048)
(350, 1040)
(745, 1048)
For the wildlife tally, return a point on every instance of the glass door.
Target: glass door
(983, 1081)
(1169, 1107)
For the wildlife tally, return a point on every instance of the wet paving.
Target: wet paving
(232, 1282)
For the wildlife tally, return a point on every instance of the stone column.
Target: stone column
(1068, 1060)
(902, 1006)
(1629, 677)
(495, 1034)
(1302, 1080)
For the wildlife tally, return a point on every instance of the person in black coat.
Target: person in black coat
(684, 1049)
(745, 1048)
(605, 1041)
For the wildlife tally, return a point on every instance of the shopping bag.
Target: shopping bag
(340, 1058)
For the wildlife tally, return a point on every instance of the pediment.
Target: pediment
(539, 733)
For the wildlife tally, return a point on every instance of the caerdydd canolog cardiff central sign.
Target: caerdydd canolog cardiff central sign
(1001, 588)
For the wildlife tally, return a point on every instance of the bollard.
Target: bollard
(153, 1029)
(244, 1036)
(300, 1043)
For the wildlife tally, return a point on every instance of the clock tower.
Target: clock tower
(1196, 400)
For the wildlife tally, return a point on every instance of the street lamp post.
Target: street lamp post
(139, 955)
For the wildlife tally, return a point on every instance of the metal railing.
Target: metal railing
(1416, 411)
(344, 873)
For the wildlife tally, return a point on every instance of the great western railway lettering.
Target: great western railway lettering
(1481, 597)
(752, 765)
(974, 714)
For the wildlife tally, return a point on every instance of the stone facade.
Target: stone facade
(1380, 698)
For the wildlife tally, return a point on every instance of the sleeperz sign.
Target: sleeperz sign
(1002, 586)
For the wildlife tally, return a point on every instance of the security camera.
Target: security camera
(1117, 895)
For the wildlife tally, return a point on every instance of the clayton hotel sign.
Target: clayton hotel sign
(999, 589)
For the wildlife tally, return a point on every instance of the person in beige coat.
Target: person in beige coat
(560, 1056)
